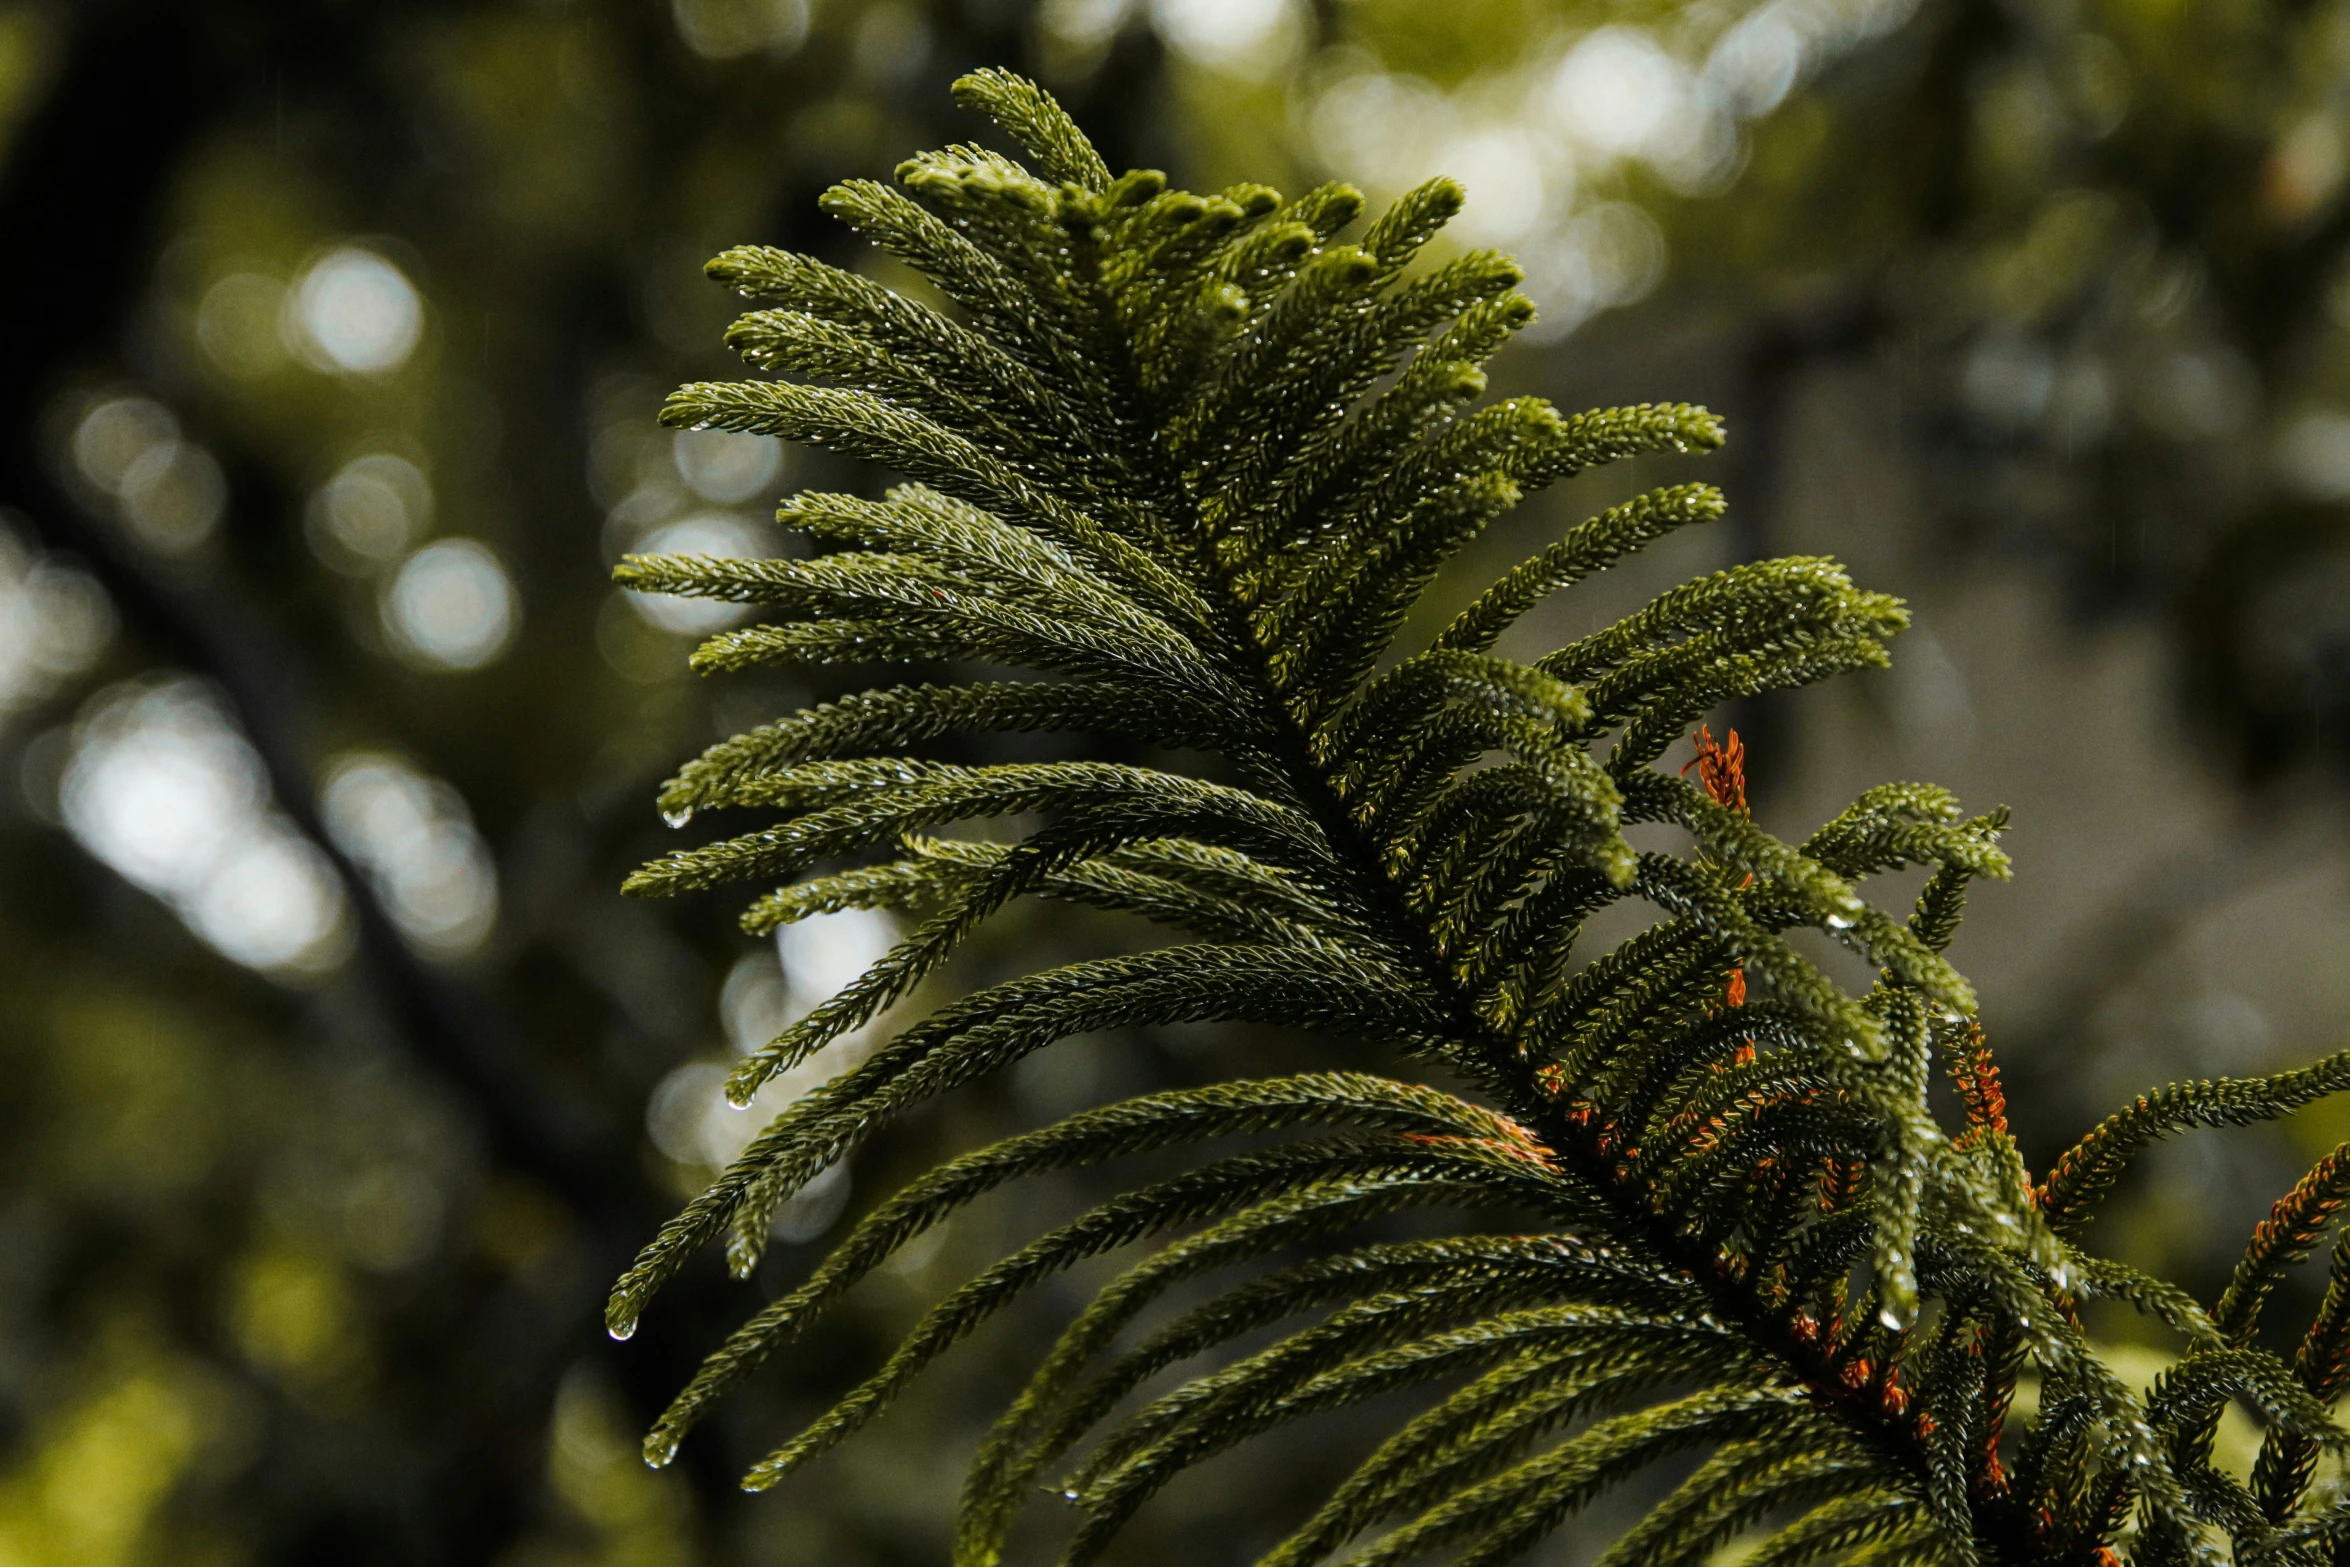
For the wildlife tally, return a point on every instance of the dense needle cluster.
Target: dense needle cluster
(1188, 461)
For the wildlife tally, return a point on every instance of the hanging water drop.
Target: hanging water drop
(622, 1328)
(678, 817)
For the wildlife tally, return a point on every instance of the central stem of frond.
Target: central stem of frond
(1825, 1358)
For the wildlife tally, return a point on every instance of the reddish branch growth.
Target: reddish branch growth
(1721, 769)
(2293, 1226)
(1840, 1182)
(1976, 1076)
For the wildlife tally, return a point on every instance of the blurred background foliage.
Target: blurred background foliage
(339, 1080)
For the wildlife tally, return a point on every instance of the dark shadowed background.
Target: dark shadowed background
(336, 1079)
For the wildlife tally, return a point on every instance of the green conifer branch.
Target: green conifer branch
(1194, 461)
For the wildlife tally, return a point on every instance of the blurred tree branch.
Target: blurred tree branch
(116, 125)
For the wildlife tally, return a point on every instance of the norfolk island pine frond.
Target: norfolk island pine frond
(1185, 465)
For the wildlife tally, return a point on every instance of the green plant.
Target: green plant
(1195, 460)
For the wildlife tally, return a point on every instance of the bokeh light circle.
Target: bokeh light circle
(451, 606)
